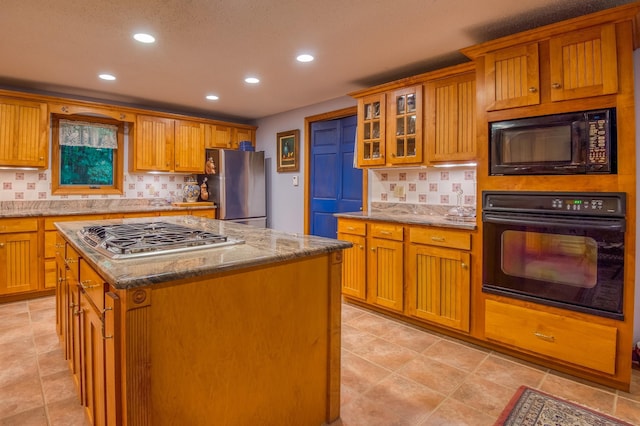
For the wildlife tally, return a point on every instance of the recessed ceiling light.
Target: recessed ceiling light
(212, 97)
(144, 38)
(109, 77)
(252, 80)
(304, 58)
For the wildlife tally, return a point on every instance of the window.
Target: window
(87, 155)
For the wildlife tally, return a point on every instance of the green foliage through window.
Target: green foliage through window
(83, 165)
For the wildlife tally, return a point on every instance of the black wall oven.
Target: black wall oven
(556, 248)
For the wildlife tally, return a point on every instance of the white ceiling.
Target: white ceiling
(210, 46)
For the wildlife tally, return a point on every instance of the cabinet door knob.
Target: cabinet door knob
(464, 265)
(373, 249)
(556, 85)
(361, 247)
(1, 245)
(533, 89)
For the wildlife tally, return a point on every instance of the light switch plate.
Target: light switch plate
(295, 181)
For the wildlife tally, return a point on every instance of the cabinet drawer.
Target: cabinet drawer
(440, 237)
(18, 225)
(579, 342)
(92, 284)
(354, 227)
(388, 232)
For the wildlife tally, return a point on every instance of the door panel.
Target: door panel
(335, 185)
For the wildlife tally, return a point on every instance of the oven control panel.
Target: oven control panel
(592, 203)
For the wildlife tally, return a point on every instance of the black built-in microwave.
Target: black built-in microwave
(560, 144)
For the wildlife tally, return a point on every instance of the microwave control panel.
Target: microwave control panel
(599, 153)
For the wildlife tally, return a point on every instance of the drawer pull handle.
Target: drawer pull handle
(544, 337)
(385, 232)
(533, 89)
(104, 313)
(351, 228)
(70, 260)
(438, 239)
(85, 285)
(556, 85)
(58, 245)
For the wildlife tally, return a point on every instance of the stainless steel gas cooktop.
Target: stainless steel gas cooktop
(124, 241)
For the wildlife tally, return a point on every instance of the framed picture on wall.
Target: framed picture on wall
(288, 155)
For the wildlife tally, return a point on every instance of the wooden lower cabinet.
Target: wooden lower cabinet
(385, 266)
(18, 255)
(354, 259)
(93, 362)
(575, 341)
(438, 285)
(439, 276)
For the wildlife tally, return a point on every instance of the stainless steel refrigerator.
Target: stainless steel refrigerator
(238, 187)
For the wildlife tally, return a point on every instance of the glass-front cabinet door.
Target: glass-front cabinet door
(405, 128)
(371, 130)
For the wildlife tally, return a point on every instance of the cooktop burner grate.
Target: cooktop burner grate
(140, 239)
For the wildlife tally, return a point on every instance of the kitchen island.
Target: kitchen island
(240, 334)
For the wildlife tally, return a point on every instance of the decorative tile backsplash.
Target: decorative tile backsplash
(31, 185)
(433, 186)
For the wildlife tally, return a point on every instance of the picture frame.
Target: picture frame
(288, 154)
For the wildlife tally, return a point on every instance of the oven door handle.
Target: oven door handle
(614, 225)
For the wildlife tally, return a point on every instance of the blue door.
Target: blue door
(335, 185)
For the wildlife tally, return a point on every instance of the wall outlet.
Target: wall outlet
(398, 191)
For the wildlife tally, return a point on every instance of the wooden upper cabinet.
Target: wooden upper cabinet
(217, 136)
(164, 144)
(404, 137)
(451, 118)
(512, 77)
(228, 137)
(371, 130)
(242, 134)
(584, 63)
(189, 146)
(153, 145)
(24, 131)
(581, 64)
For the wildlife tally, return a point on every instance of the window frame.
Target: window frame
(118, 168)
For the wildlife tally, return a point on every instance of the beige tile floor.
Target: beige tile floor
(392, 374)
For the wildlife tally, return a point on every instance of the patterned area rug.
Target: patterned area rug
(530, 407)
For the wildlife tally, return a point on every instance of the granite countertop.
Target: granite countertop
(94, 206)
(261, 247)
(413, 214)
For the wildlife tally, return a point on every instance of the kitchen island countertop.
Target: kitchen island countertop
(260, 247)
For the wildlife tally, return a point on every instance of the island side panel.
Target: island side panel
(135, 339)
(247, 347)
(335, 336)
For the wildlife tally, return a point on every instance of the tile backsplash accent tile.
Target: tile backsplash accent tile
(433, 186)
(28, 185)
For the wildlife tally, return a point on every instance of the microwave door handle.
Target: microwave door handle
(616, 225)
